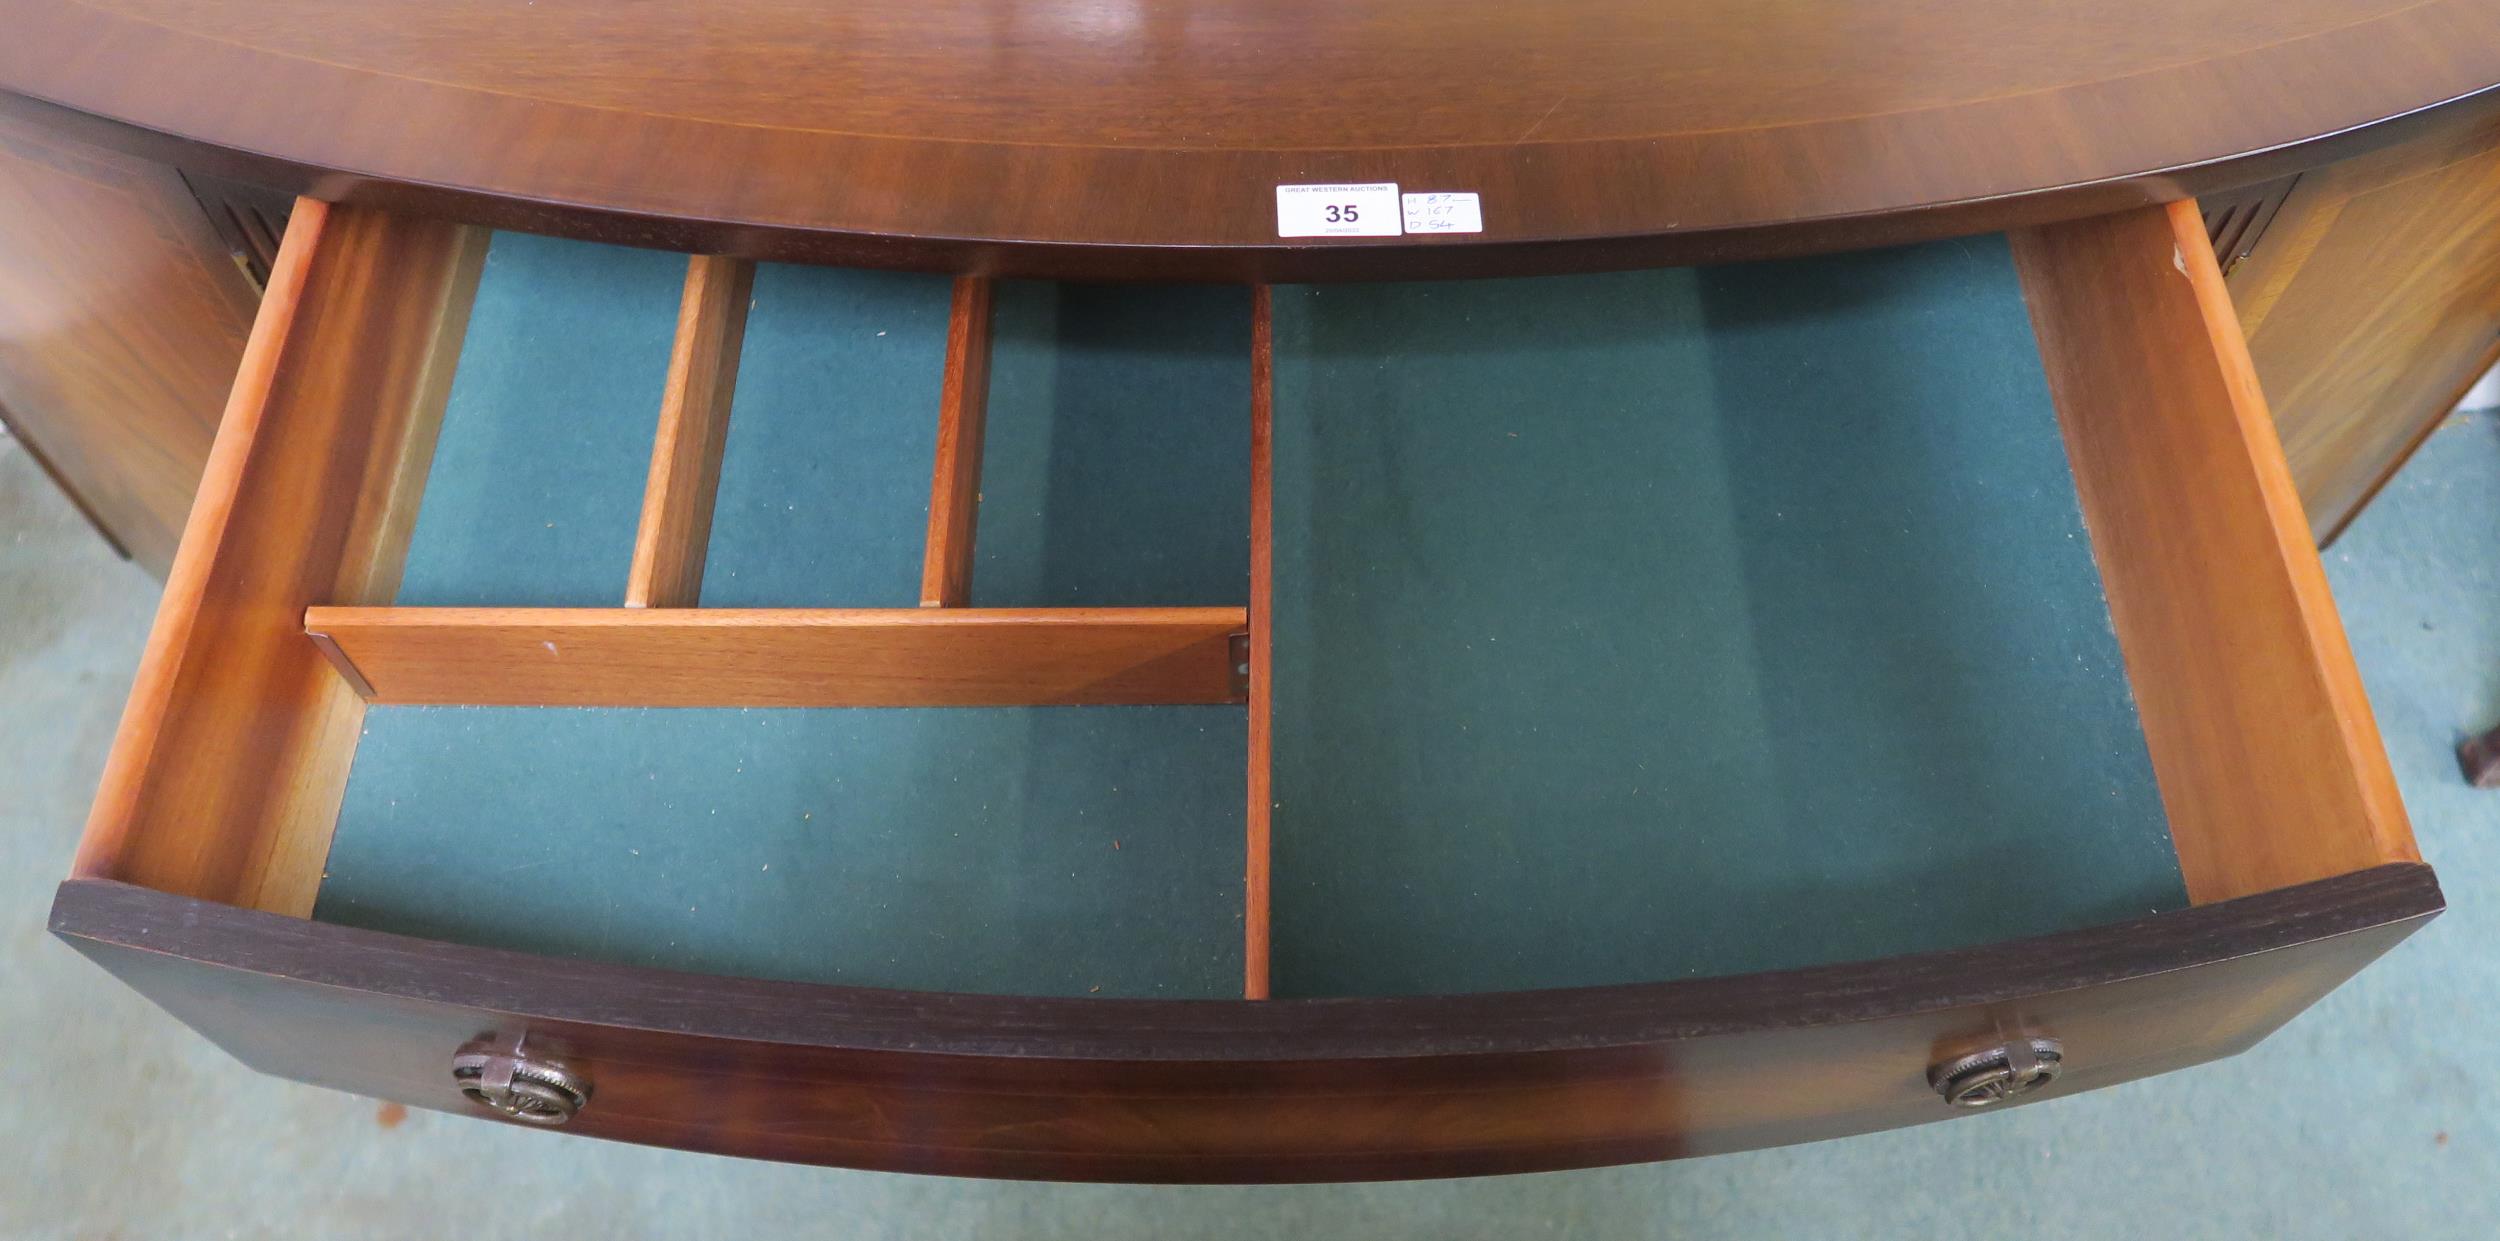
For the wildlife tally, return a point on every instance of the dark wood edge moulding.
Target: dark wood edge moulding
(1282, 261)
(1234, 1091)
(1045, 1028)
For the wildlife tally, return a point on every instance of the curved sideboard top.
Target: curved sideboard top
(1145, 137)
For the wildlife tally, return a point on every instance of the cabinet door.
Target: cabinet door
(122, 318)
(2371, 303)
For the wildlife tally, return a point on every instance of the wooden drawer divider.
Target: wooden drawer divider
(676, 524)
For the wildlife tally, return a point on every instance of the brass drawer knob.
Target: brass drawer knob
(2006, 1071)
(495, 1075)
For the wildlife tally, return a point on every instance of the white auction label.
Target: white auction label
(1337, 210)
(1443, 213)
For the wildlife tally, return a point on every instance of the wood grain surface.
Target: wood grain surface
(1148, 138)
(1257, 940)
(955, 480)
(1214, 1090)
(676, 525)
(2371, 304)
(224, 778)
(2270, 764)
(122, 319)
(760, 657)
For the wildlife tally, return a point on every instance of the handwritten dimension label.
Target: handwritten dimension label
(1443, 213)
(1338, 210)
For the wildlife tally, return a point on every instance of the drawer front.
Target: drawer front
(1281, 1090)
(208, 840)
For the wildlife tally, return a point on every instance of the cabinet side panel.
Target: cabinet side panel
(121, 321)
(2372, 303)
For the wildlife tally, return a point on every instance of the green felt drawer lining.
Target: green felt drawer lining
(1628, 627)
(1689, 622)
(1054, 850)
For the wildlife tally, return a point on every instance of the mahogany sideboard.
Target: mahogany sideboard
(1894, 446)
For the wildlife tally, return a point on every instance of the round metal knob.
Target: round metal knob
(2006, 1071)
(496, 1076)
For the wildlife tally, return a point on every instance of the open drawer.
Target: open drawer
(1378, 731)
